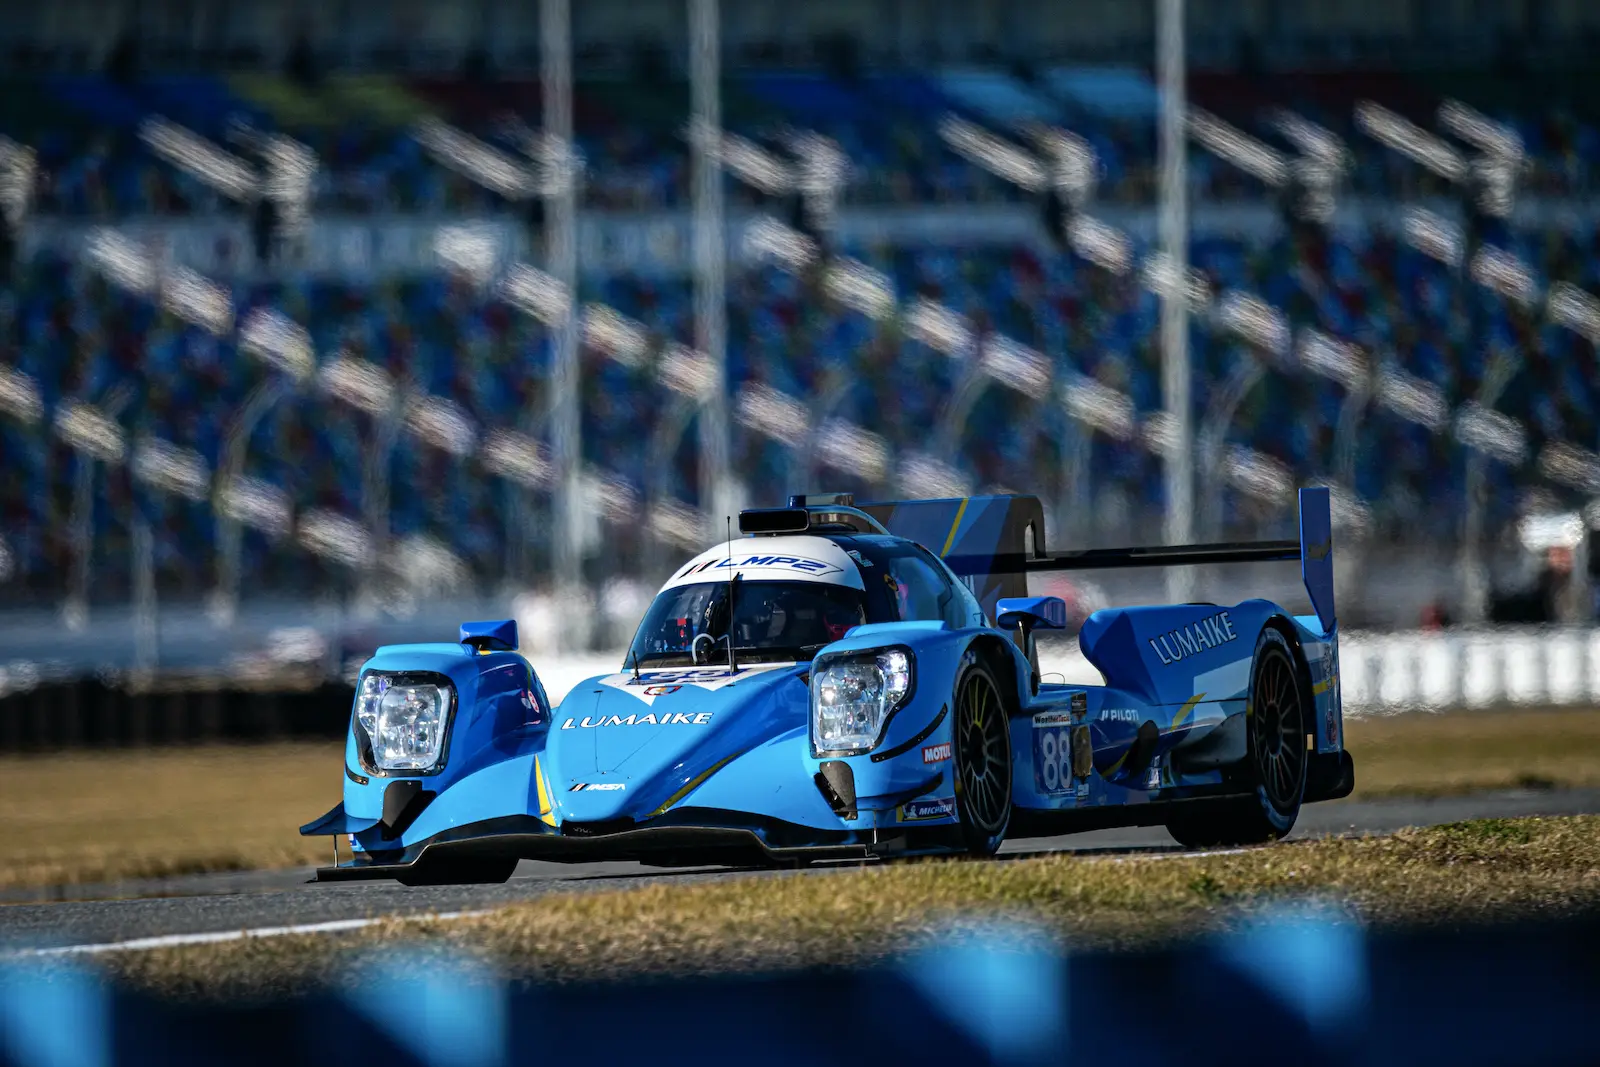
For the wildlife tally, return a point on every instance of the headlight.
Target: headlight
(405, 721)
(853, 695)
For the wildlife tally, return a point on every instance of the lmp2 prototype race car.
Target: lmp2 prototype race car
(826, 686)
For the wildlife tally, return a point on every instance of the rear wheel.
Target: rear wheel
(982, 753)
(1277, 717)
(483, 871)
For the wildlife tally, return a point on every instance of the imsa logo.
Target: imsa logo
(1177, 645)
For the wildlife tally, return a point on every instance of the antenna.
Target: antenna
(635, 657)
(733, 661)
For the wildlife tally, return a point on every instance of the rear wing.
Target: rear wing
(996, 541)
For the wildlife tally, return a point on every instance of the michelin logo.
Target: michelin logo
(1177, 645)
(919, 810)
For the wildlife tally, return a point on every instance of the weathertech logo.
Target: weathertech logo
(936, 753)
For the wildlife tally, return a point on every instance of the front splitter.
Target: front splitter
(681, 845)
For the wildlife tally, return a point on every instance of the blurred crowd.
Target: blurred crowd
(80, 338)
(92, 161)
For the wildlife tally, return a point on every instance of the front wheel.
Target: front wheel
(982, 752)
(1276, 718)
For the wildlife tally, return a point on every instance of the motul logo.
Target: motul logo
(936, 753)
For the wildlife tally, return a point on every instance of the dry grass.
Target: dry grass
(109, 816)
(1465, 872)
(106, 816)
(1423, 754)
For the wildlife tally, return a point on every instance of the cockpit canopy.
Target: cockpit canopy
(792, 596)
(772, 621)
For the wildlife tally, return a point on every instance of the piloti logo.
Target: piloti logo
(936, 753)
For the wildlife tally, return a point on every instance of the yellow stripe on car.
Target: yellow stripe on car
(545, 814)
(954, 526)
(695, 783)
(1185, 711)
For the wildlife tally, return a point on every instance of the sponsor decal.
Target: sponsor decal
(1121, 714)
(664, 681)
(919, 810)
(936, 753)
(1052, 718)
(599, 787)
(1177, 645)
(677, 679)
(1153, 779)
(1052, 756)
(1080, 704)
(797, 564)
(861, 560)
(649, 718)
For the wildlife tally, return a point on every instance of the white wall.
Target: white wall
(1381, 673)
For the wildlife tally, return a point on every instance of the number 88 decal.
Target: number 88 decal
(1052, 759)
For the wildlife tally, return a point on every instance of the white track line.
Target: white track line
(1149, 857)
(339, 926)
(143, 944)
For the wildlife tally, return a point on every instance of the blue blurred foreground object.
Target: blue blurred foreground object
(444, 1012)
(55, 1016)
(845, 682)
(1006, 988)
(1304, 987)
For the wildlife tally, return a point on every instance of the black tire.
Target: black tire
(981, 749)
(1277, 720)
(484, 871)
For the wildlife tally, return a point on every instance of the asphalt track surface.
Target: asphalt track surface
(202, 904)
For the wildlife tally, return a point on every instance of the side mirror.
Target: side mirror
(1024, 614)
(498, 635)
(1031, 613)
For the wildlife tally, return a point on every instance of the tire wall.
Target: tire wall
(90, 713)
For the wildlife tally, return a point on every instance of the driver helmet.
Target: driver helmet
(764, 617)
(837, 619)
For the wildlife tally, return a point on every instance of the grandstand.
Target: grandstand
(869, 391)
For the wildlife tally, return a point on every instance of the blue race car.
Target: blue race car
(826, 686)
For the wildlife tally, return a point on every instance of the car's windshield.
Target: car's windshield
(772, 622)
